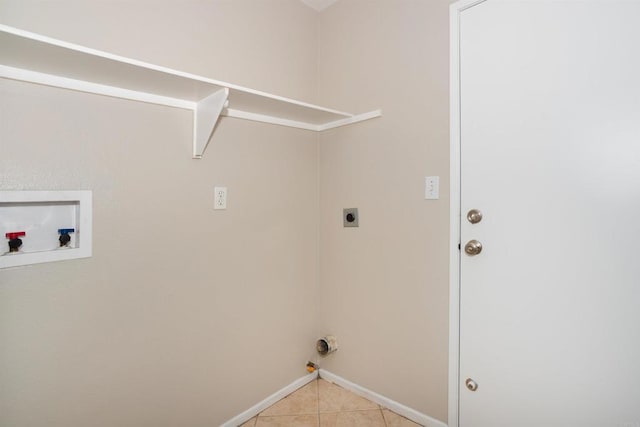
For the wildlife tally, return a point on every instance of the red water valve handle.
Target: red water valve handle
(15, 234)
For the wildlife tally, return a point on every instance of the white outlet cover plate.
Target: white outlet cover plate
(220, 198)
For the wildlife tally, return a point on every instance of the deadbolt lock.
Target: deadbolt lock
(474, 216)
(471, 384)
(473, 247)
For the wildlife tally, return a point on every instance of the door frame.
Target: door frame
(454, 210)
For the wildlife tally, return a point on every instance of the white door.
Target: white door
(550, 155)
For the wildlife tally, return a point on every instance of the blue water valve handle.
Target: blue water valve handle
(64, 236)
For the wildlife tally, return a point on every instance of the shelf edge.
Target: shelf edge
(263, 118)
(89, 87)
(350, 120)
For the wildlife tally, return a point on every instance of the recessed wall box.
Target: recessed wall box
(44, 216)
(350, 217)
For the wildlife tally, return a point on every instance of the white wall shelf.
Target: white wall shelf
(42, 60)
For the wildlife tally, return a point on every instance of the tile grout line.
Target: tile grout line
(384, 420)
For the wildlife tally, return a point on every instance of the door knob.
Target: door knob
(474, 216)
(471, 384)
(473, 247)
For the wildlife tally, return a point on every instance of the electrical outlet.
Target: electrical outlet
(432, 187)
(220, 198)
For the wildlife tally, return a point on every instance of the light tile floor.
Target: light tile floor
(323, 404)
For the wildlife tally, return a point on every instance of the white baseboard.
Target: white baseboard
(392, 405)
(261, 406)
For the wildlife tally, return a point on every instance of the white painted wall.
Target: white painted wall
(184, 315)
(384, 285)
(153, 332)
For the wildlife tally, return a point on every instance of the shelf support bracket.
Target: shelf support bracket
(205, 118)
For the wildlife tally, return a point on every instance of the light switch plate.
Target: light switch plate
(432, 187)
